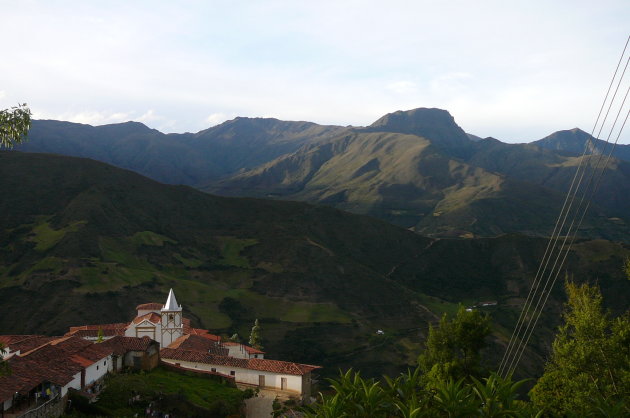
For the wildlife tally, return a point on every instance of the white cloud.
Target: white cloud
(216, 119)
(329, 62)
(451, 83)
(402, 87)
(87, 117)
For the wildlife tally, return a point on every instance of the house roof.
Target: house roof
(151, 317)
(122, 345)
(151, 306)
(198, 343)
(94, 333)
(27, 373)
(250, 350)
(48, 363)
(24, 343)
(171, 303)
(107, 330)
(198, 331)
(274, 366)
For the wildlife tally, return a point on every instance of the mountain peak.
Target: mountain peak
(434, 124)
(411, 120)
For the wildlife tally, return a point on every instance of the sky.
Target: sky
(513, 70)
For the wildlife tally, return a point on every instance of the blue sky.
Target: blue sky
(513, 70)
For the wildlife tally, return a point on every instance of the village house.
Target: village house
(198, 349)
(45, 368)
(45, 372)
(292, 378)
(135, 353)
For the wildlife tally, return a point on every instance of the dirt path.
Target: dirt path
(260, 406)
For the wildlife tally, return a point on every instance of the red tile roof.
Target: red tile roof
(151, 317)
(102, 326)
(94, 333)
(51, 362)
(202, 333)
(107, 330)
(199, 343)
(151, 306)
(250, 350)
(122, 345)
(24, 343)
(28, 373)
(274, 366)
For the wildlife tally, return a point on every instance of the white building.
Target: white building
(162, 323)
(289, 377)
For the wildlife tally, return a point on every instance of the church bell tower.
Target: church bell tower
(172, 324)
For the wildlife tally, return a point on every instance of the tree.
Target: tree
(590, 360)
(14, 125)
(452, 349)
(255, 339)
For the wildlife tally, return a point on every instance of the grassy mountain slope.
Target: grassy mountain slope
(238, 144)
(419, 169)
(84, 242)
(573, 142)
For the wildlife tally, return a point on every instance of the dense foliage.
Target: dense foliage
(590, 358)
(452, 348)
(182, 394)
(14, 125)
(588, 375)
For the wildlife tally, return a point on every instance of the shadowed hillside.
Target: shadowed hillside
(417, 169)
(84, 242)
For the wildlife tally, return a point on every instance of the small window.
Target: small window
(96, 367)
(232, 373)
(170, 317)
(105, 363)
(255, 355)
(214, 369)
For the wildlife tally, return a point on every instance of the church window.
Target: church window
(170, 317)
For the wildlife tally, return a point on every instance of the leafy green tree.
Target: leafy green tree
(235, 338)
(14, 125)
(453, 348)
(590, 361)
(406, 397)
(99, 336)
(255, 337)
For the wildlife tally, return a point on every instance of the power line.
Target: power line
(514, 348)
(545, 292)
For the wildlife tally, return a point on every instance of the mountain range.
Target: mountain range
(417, 169)
(85, 242)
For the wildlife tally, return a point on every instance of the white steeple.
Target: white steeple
(171, 303)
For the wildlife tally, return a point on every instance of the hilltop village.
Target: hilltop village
(43, 369)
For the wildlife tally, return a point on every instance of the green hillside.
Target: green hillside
(84, 242)
(417, 169)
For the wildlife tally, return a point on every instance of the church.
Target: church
(162, 323)
(197, 349)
